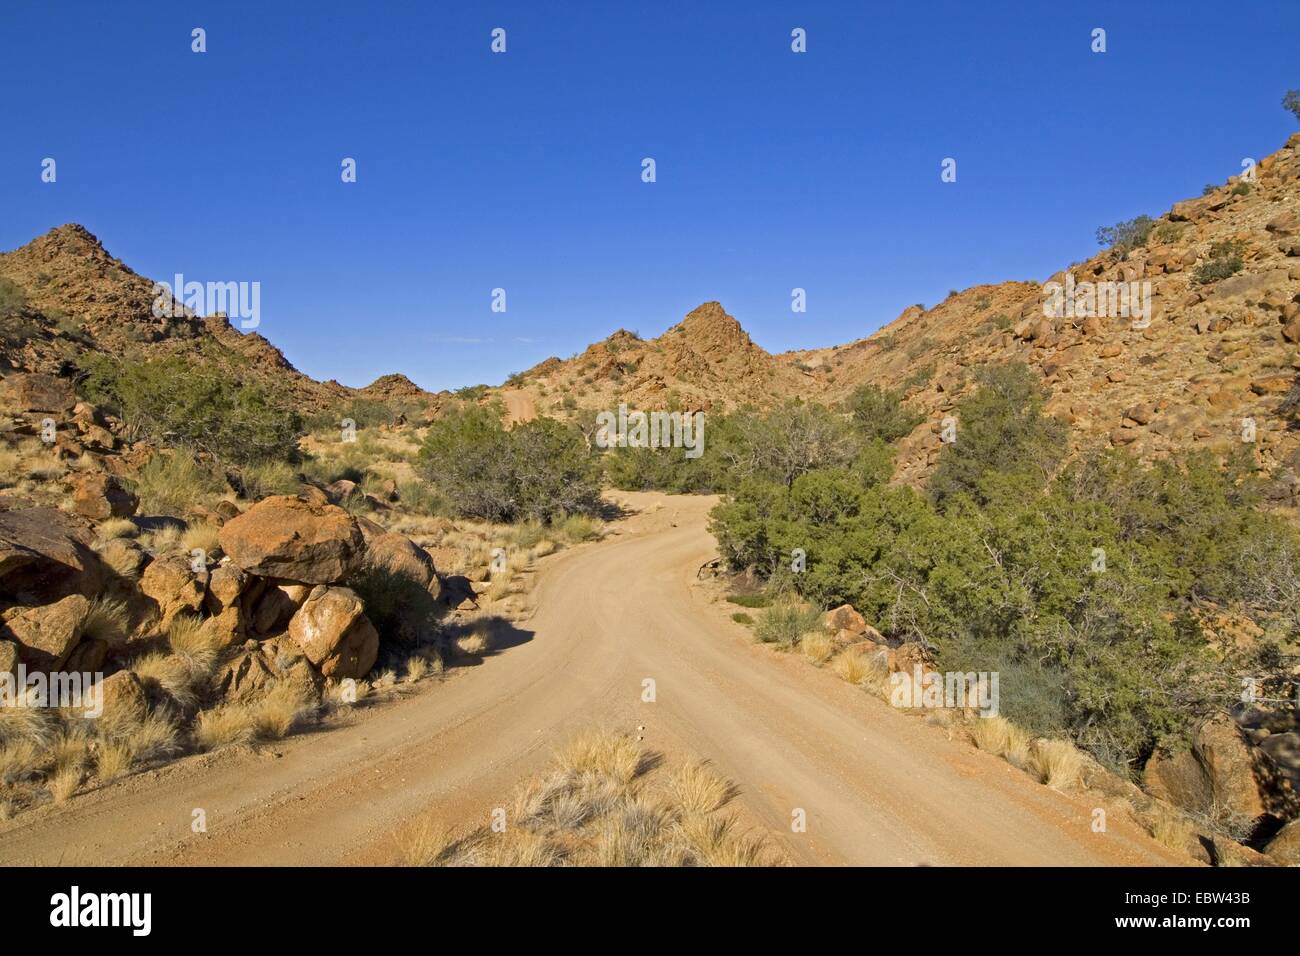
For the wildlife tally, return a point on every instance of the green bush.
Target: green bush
(1001, 430)
(1124, 237)
(1081, 588)
(180, 402)
(539, 470)
(1224, 261)
(880, 413)
(1291, 103)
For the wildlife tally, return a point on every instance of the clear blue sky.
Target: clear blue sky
(522, 170)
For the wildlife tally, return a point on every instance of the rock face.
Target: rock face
(845, 618)
(334, 633)
(1218, 773)
(8, 657)
(45, 554)
(294, 539)
(102, 497)
(47, 635)
(42, 393)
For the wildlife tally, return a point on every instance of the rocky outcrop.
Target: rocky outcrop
(174, 587)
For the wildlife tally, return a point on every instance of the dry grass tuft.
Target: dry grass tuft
(280, 711)
(1056, 763)
(697, 789)
(226, 726)
(107, 620)
(19, 761)
(1169, 828)
(606, 755)
(116, 528)
(113, 760)
(64, 783)
(600, 806)
(818, 647)
(202, 536)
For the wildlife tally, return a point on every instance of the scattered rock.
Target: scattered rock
(46, 635)
(101, 497)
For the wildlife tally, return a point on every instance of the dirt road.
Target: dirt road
(877, 786)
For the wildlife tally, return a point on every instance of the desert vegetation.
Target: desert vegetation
(605, 802)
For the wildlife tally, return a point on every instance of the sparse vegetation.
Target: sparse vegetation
(603, 804)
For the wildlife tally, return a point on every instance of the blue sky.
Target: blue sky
(522, 170)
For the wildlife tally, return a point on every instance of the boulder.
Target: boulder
(124, 697)
(227, 627)
(174, 586)
(402, 555)
(1284, 848)
(1223, 751)
(1285, 224)
(101, 497)
(1284, 751)
(844, 618)
(46, 635)
(46, 554)
(225, 584)
(334, 633)
(256, 668)
(278, 603)
(289, 537)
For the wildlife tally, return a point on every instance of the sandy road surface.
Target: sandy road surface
(877, 786)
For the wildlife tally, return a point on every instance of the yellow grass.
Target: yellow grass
(64, 783)
(201, 536)
(225, 726)
(113, 760)
(107, 620)
(602, 805)
(1056, 763)
(698, 789)
(818, 647)
(116, 528)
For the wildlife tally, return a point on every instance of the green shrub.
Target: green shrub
(750, 600)
(181, 402)
(1001, 430)
(740, 617)
(1291, 103)
(171, 482)
(880, 413)
(1124, 237)
(786, 624)
(1224, 261)
(538, 470)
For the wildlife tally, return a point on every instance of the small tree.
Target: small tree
(1291, 103)
(1126, 236)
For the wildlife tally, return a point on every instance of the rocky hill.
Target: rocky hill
(78, 298)
(1217, 350)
